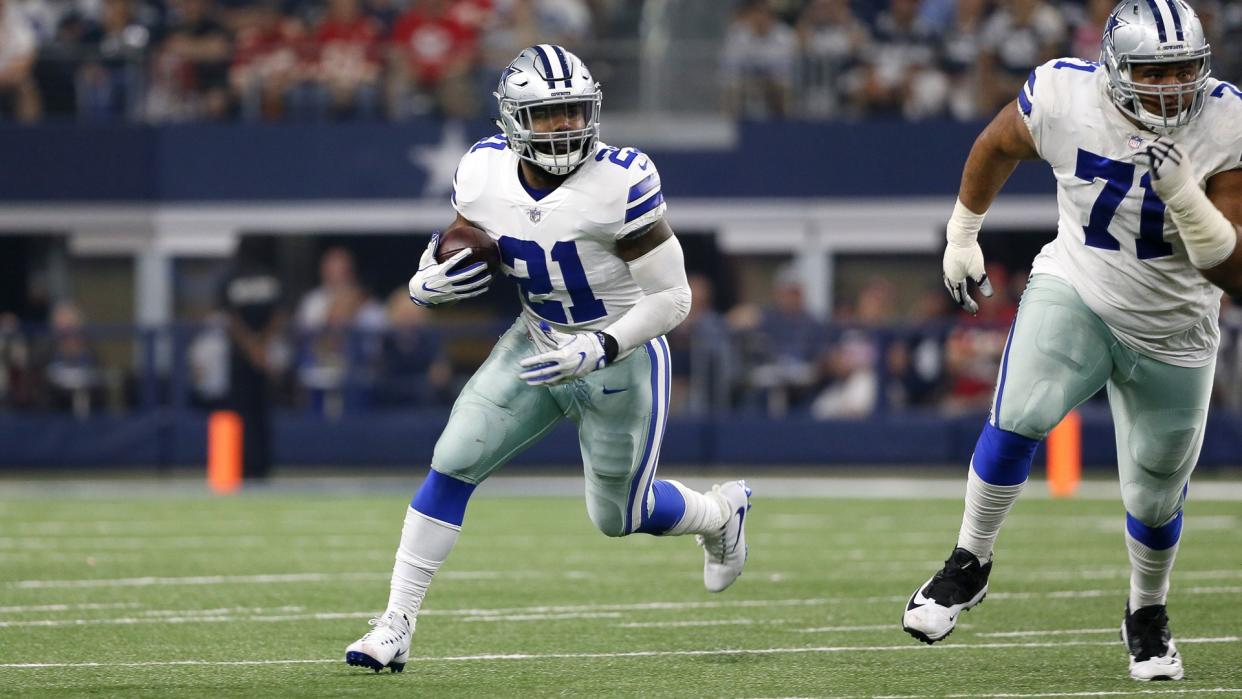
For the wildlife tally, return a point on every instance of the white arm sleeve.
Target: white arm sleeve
(661, 274)
(1209, 237)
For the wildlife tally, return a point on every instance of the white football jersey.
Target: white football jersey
(561, 246)
(1115, 242)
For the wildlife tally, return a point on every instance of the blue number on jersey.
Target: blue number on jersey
(1220, 90)
(614, 156)
(1084, 66)
(585, 306)
(1118, 179)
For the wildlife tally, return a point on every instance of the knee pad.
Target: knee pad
(606, 515)
(610, 457)
(471, 438)
(1161, 441)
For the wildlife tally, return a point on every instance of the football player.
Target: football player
(580, 226)
(1146, 149)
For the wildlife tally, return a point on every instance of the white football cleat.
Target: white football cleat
(724, 552)
(931, 614)
(386, 645)
(1153, 655)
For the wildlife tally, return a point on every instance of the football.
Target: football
(482, 247)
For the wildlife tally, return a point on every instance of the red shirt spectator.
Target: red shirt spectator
(432, 41)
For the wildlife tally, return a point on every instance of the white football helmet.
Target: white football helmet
(548, 81)
(1155, 31)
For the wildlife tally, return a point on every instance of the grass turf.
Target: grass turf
(258, 595)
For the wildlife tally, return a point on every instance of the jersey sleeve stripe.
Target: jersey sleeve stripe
(1030, 83)
(1024, 103)
(642, 208)
(650, 182)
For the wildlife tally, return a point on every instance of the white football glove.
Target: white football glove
(963, 258)
(1170, 169)
(436, 283)
(575, 356)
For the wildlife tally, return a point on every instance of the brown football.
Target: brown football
(482, 247)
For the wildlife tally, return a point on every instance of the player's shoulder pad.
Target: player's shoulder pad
(475, 167)
(633, 195)
(1049, 86)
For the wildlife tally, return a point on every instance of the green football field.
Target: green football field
(257, 595)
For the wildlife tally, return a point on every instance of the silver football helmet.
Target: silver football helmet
(1155, 31)
(548, 84)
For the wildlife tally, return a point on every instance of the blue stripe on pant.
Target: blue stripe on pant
(640, 485)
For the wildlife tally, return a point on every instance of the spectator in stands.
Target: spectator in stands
(832, 40)
(1228, 385)
(701, 354)
(19, 94)
(110, 80)
(1089, 27)
(976, 344)
(268, 62)
(348, 62)
(916, 360)
(337, 280)
(413, 370)
(900, 77)
(783, 345)
(251, 298)
(1021, 35)
(190, 75)
(16, 390)
(960, 47)
(339, 322)
(851, 365)
(758, 63)
(70, 363)
(431, 57)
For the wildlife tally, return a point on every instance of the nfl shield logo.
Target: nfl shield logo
(1136, 141)
(535, 214)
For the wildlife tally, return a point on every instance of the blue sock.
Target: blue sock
(1156, 538)
(1002, 457)
(669, 508)
(443, 498)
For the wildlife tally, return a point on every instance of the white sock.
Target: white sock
(987, 505)
(1149, 573)
(425, 543)
(705, 512)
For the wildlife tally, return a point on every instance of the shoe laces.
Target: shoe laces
(380, 624)
(1147, 632)
(960, 579)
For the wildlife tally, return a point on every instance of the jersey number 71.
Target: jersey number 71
(1118, 178)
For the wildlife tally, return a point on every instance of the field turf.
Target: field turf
(257, 595)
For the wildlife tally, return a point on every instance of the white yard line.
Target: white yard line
(1056, 632)
(27, 608)
(908, 647)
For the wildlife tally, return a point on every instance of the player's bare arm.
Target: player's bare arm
(992, 159)
(1225, 192)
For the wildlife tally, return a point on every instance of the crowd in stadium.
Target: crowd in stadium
(178, 60)
(344, 350)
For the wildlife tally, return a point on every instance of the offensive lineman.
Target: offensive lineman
(580, 226)
(1123, 297)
